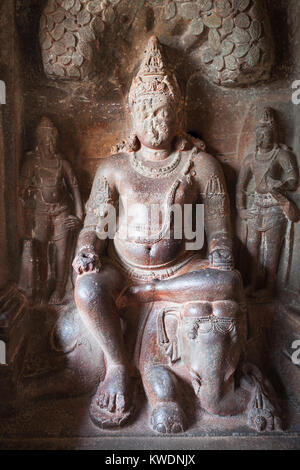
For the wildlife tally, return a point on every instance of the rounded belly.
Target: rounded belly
(161, 253)
(53, 196)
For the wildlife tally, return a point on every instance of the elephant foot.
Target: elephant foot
(168, 418)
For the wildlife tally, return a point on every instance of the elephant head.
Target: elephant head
(209, 338)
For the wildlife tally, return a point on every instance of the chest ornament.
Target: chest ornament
(153, 171)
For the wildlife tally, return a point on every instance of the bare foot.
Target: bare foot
(112, 402)
(113, 393)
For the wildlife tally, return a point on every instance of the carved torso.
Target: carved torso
(267, 207)
(47, 182)
(276, 165)
(129, 182)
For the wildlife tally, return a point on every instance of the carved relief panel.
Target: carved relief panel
(148, 335)
(229, 40)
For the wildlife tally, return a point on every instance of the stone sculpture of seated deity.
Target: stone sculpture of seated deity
(163, 166)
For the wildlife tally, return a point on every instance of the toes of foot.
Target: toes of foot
(102, 401)
(120, 403)
(112, 403)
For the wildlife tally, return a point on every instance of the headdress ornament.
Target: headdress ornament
(154, 77)
(267, 118)
(46, 123)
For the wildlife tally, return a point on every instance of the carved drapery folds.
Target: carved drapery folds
(229, 40)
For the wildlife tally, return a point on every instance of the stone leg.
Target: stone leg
(161, 389)
(253, 246)
(273, 240)
(41, 244)
(204, 285)
(95, 295)
(62, 261)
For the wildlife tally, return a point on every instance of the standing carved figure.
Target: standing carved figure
(267, 211)
(52, 209)
(140, 264)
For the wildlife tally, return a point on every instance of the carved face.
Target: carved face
(47, 142)
(264, 137)
(155, 121)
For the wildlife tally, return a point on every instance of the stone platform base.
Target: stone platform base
(65, 424)
(45, 422)
(118, 443)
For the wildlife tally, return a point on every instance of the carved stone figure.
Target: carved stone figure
(268, 211)
(53, 211)
(144, 262)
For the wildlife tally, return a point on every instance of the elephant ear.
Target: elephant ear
(167, 337)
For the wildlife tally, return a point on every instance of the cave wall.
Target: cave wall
(11, 144)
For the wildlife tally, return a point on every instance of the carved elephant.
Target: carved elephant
(200, 345)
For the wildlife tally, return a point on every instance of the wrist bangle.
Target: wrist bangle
(86, 247)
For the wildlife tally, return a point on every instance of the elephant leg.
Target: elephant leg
(161, 388)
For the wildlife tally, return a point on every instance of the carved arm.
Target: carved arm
(242, 183)
(217, 221)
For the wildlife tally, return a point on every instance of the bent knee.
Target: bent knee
(232, 285)
(89, 289)
(226, 309)
(216, 284)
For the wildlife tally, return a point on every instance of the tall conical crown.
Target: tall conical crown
(153, 63)
(267, 118)
(46, 123)
(154, 77)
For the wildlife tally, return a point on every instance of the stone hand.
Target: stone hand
(274, 184)
(86, 261)
(222, 259)
(72, 223)
(243, 214)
